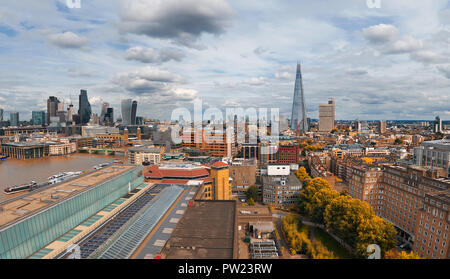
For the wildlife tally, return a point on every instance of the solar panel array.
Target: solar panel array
(127, 243)
(93, 243)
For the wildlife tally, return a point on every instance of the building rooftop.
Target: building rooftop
(290, 180)
(16, 209)
(206, 231)
(159, 172)
(145, 149)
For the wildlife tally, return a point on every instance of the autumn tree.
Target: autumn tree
(318, 202)
(309, 191)
(344, 214)
(374, 230)
(397, 255)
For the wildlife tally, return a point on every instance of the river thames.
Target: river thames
(17, 172)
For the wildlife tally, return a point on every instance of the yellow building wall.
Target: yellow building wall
(221, 184)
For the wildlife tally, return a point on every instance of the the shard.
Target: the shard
(298, 119)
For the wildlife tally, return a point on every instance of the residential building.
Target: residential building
(243, 175)
(382, 127)
(147, 155)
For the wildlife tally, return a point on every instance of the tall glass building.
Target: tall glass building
(84, 110)
(52, 108)
(14, 119)
(1, 115)
(298, 118)
(38, 118)
(133, 113)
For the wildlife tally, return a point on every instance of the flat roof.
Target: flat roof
(20, 208)
(206, 231)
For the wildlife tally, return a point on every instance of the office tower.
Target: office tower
(437, 127)
(139, 120)
(70, 113)
(62, 116)
(109, 117)
(133, 113)
(433, 154)
(105, 107)
(298, 119)
(326, 116)
(95, 119)
(14, 119)
(84, 110)
(61, 106)
(126, 111)
(38, 118)
(52, 107)
(1, 115)
(382, 127)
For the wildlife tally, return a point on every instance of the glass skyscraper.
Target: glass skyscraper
(14, 119)
(298, 118)
(129, 109)
(1, 115)
(38, 117)
(133, 113)
(84, 110)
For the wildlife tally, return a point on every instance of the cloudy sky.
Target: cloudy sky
(391, 62)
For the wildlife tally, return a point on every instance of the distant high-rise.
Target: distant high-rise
(382, 127)
(298, 119)
(129, 109)
(70, 113)
(1, 115)
(133, 113)
(109, 117)
(437, 127)
(14, 119)
(126, 111)
(52, 107)
(105, 107)
(326, 116)
(84, 110)
(38, 118)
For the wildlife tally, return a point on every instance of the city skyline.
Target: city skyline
(363, 57)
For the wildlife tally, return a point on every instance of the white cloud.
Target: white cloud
(149, 55)
(68, 40)
(380, 33)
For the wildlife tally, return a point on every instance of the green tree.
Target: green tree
(252, 193)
